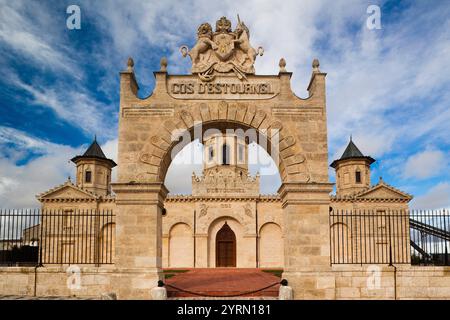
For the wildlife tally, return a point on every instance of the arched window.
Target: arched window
(211, 154)
(241, 153)
(358, 176)
(225, 154)
(88, 176)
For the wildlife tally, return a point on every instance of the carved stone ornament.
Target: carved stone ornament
(248, 210)
(203, 210)
(222, 51)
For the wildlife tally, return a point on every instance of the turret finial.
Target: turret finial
(163, 64)
(282, 65)
(315, 65)
(130, 64)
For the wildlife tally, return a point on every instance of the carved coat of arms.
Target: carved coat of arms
(222, 51)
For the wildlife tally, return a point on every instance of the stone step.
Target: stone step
(229, 298)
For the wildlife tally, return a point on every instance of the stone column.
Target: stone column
(165, 254)
(138, 238)
(201, 251)
(306, 239)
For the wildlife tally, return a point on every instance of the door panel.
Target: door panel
(225, 247)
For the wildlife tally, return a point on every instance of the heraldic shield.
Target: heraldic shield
(225, 45)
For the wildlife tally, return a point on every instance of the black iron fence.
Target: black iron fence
(389, 237)
(35, 237)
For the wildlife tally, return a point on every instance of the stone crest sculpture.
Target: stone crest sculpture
(222, 51)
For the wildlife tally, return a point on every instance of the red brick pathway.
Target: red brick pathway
(223, 282)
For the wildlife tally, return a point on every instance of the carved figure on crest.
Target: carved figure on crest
(224, 51)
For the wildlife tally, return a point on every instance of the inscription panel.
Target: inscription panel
(223, 88)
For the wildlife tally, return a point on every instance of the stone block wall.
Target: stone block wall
(340, 282)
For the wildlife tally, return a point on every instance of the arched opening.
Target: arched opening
(88, 176)
(358, 176)
(341, 243)
(271, 246)
(225, 247)
(181, 246)
(189, 159)
(266, 144)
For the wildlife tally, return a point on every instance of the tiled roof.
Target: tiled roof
(352, 152)
(96, 152)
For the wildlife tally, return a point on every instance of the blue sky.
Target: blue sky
(389, 88)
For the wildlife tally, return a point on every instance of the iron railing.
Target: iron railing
(389, 237)
(36, 237)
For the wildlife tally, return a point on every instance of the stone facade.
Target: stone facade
(289, 230)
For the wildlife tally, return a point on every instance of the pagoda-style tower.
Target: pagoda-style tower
(352, 171)
(225, 167)
(94, 170)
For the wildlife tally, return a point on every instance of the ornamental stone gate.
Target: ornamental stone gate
(351, 245)
(222, 93)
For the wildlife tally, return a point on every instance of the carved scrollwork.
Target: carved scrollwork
(203, 210)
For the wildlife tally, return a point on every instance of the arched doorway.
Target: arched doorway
(225, 247)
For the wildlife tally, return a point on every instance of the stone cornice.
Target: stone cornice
(190, 198)
(140, 193)
(89, 195)
(297, 193)
(336, 199)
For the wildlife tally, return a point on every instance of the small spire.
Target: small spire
(282, 65)
(163, 64)
(95, 137)
(351, 138)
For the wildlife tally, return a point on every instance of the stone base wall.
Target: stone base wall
(338, 282)
(400, 282)
(56, 281)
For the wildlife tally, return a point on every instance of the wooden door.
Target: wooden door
(225, 247)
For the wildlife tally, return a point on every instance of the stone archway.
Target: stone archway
(149, 133)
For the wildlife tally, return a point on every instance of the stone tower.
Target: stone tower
(225, 166)
(94, 170)
(352, 171)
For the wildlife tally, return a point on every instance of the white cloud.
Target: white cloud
(21, 25)
(426, 164)
(188, 160)
(75, 107)
(437, 197)
(19, 184)
(110, 149)
(377, 79)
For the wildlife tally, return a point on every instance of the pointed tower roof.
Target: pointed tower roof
(94, 152)
(352, 152)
